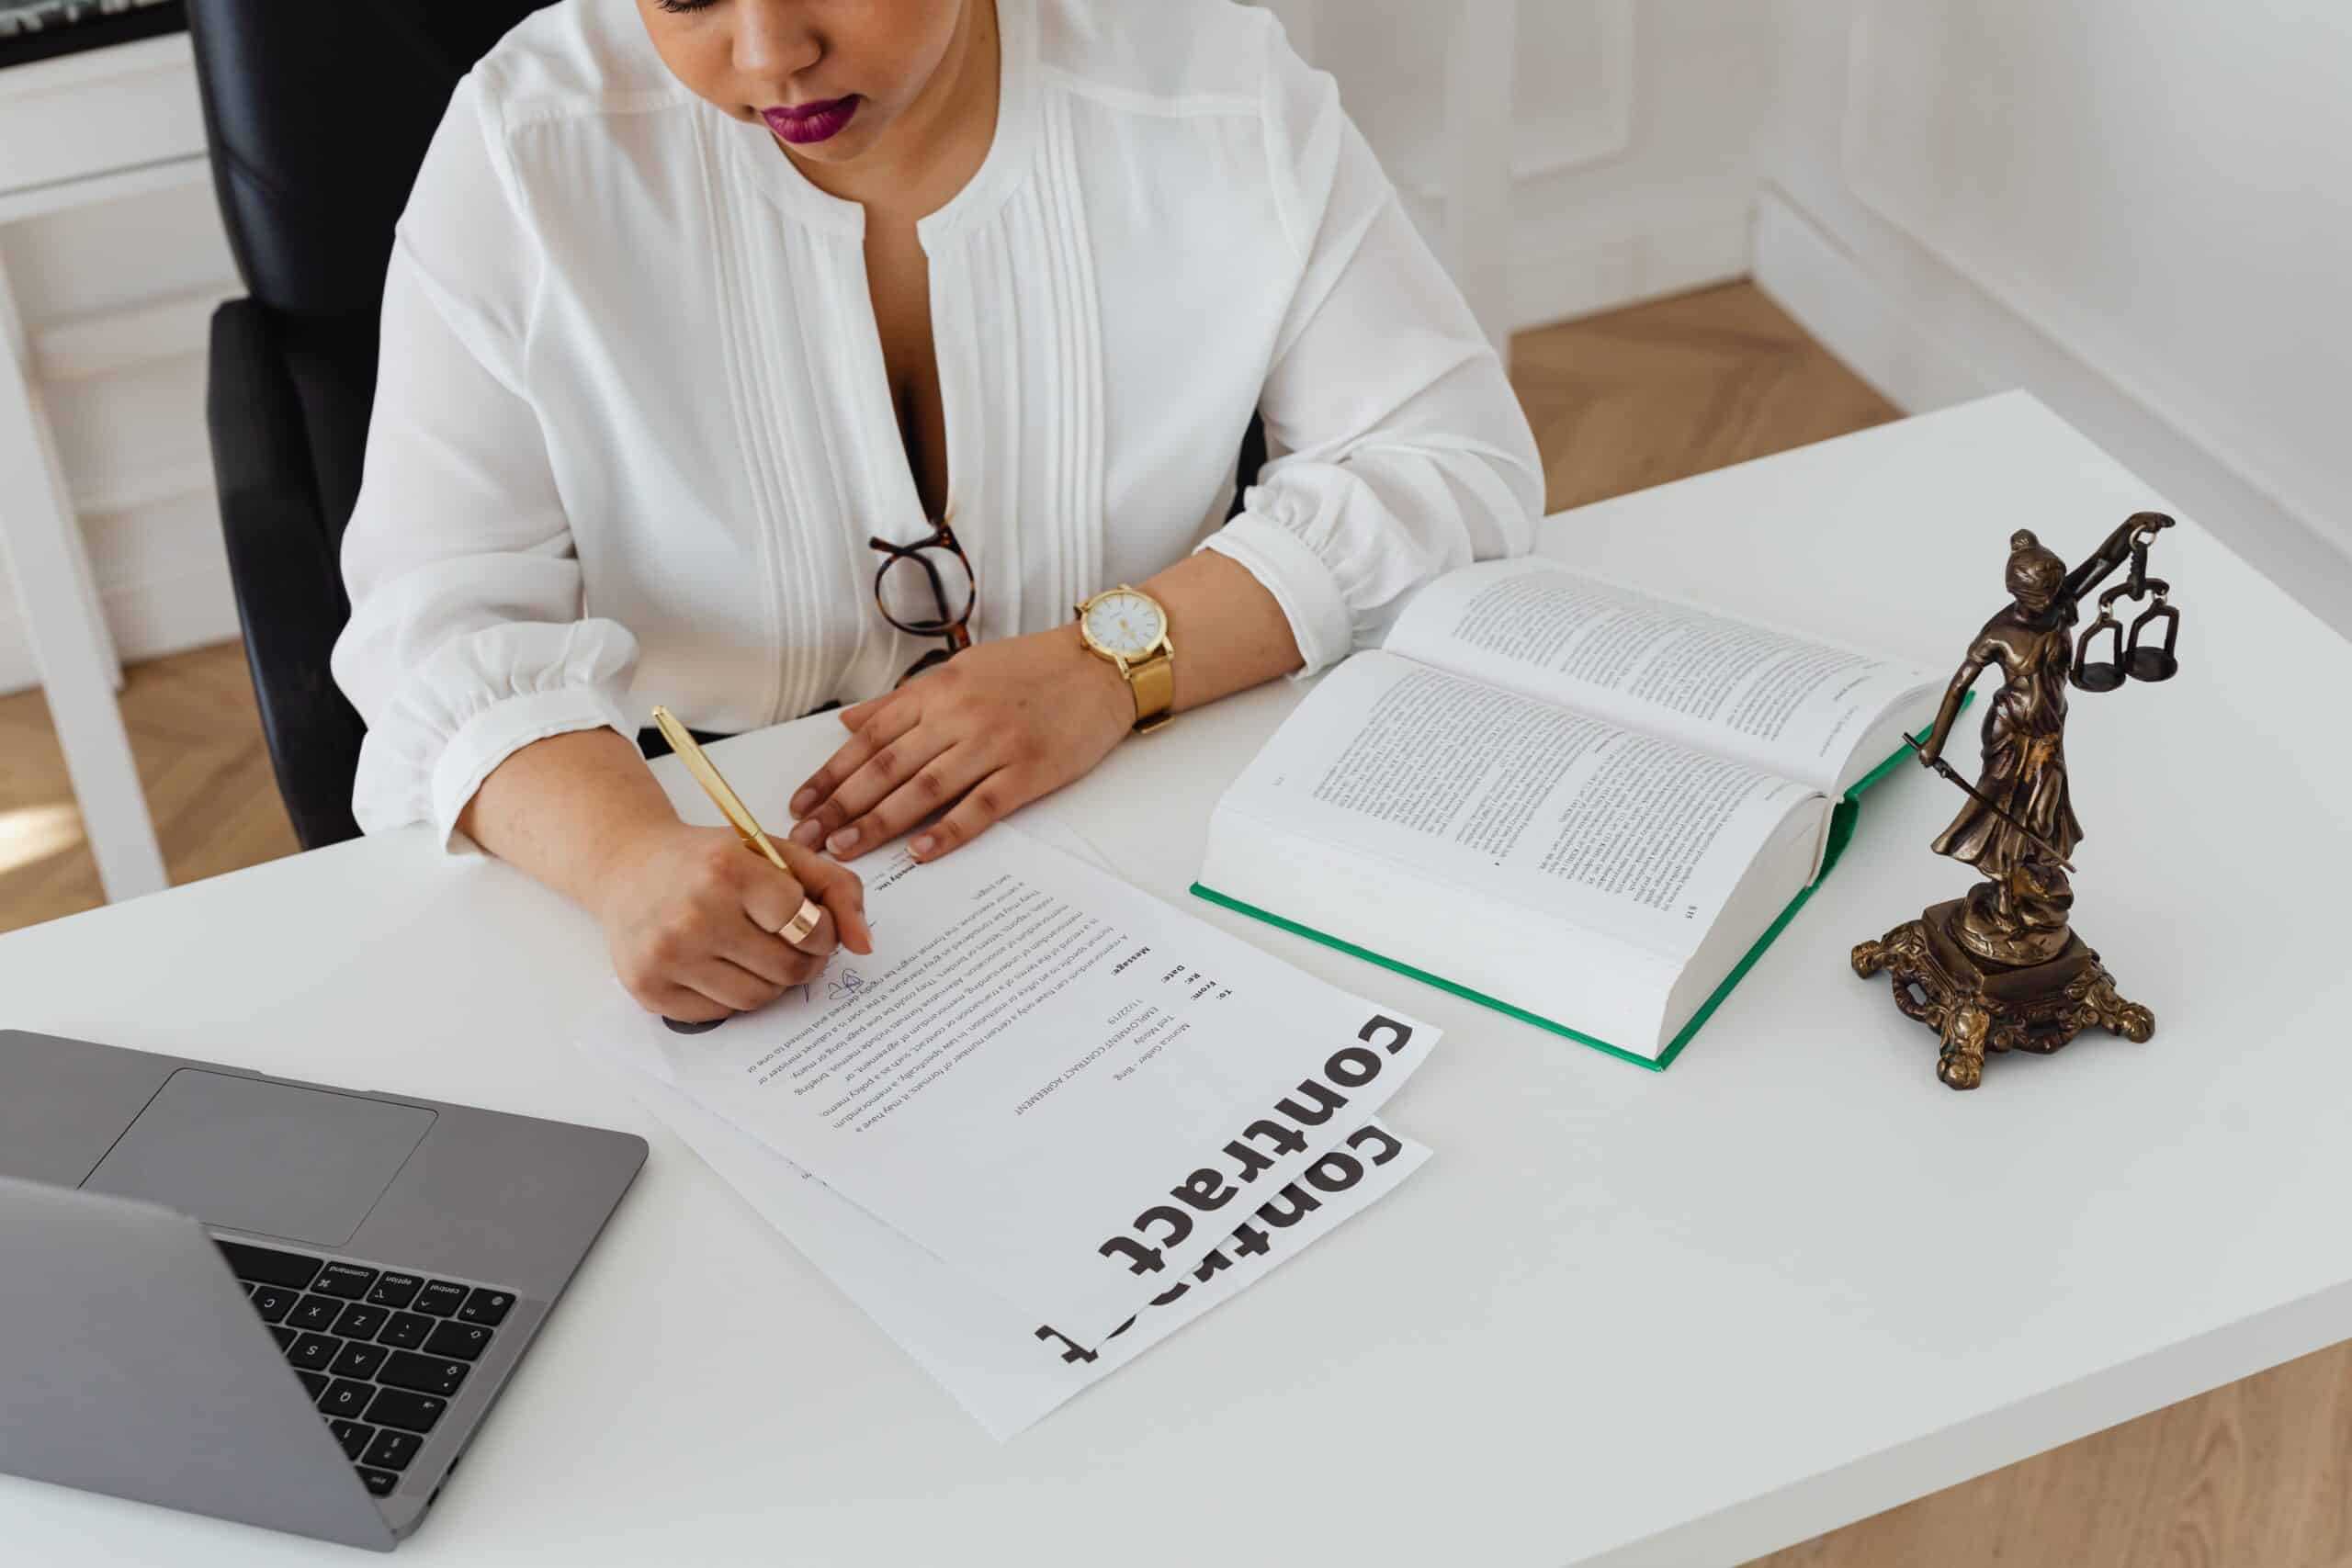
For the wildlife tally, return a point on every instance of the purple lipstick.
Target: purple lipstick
(802, 124)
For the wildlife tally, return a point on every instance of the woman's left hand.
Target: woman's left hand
(980, 735)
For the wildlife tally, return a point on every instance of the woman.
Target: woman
(698, 302)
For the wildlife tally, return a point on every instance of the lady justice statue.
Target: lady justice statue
(2000, 969)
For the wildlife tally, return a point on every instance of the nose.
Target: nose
(773, 41)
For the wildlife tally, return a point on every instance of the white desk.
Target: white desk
(1621, 1318)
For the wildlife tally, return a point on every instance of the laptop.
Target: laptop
(273, 1302)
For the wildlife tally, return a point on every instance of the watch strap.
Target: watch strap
(1153, 681)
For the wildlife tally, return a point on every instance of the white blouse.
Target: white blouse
(633, 429)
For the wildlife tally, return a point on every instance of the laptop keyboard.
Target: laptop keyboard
(381, 1352)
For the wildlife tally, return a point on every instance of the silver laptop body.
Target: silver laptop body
(397, 1257)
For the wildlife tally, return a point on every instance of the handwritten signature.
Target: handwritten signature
(838, 988)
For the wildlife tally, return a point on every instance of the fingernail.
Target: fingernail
(808, 834)
(803, 801)
(845, 838)
(923, 844)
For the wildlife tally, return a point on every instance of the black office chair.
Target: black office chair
(319, 113)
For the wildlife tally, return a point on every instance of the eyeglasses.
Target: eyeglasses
(914, 574)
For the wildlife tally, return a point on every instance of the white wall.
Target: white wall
(2140, 209)
(1635, 164)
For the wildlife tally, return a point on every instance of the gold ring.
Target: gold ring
(802, 923)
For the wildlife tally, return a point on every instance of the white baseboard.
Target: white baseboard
(1834, 297)
(1872, 321)
(152, 618)
(109, 342)
(168, 591)
(1560, 280)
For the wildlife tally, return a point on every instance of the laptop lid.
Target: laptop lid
(131, 1363)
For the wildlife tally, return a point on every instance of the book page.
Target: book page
(1046, 1078)
(1011, 1371)
(1805, 710)
(1564, 815)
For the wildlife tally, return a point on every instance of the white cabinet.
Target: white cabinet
(76, 132)
(95, 116)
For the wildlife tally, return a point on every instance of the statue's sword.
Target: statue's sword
(1971, 791)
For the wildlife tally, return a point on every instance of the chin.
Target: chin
(839, 150)
(851, 143)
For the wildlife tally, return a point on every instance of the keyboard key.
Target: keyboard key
(311, 1352)
(358, 1361)
(273, 1301)
(395, 1290)
(406, 1331)
(345, 1279)
(409, 1411)
(464, 1340)
(441, 1298)
(422, 1373)
(354, 1438)
(247, 1288)
(486, 1307)
(345, 1397)
(394, 1449)
(314, 1384)
(266, 1267)
(379, 1481)
(361, 1322)
(314, 1315)
(285, 1337)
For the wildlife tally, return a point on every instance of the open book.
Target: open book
(1577, 804)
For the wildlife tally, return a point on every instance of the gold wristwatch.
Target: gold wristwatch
(1127, 626)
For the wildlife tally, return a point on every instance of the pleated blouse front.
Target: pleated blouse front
(634, 431)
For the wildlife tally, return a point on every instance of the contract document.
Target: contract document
(1060, 1087)
(1007, 1369)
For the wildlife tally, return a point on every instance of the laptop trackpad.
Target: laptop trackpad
(303, 1164)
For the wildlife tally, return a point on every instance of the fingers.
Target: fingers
(988, 802)
(855, 716)
(913, 756)
(758, 948)
(876, 734)
(840, 890)
(776, 961)
(679, 1004)
(729, 984)
(772, 901)
(933, 787)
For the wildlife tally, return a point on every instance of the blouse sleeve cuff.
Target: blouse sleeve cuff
(1301, 582)
(504, 727)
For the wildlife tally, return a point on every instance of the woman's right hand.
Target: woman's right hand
(691, 917)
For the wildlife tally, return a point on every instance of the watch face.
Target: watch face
(1124, 622)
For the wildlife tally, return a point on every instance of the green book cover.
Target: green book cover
(1841, 831)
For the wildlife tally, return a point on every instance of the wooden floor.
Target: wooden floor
(2258, 1474)
(194, 730)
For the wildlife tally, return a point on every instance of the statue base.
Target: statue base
(1975, 1006)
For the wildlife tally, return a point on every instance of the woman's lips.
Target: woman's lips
(805, 123)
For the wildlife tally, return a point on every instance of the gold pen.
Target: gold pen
(739, 815)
